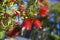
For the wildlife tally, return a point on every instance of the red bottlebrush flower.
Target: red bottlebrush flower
(43, 11)
(41, 1)
(45, 8)
(18, 13)
(16, 23)
(27, 24)
(13, 0)
(37, 23)
(7, 15)
(13, 32)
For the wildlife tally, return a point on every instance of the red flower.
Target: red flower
(13, 32)
(37, 23)
(43, 11)
(27, 23)
(16, 23)
(45, 8)
(7, 15)
(13, 0)
(41, 1)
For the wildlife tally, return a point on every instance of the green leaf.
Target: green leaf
(2, 34)
(30, 3)
(2, 9)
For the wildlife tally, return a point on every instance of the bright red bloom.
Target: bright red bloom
(43, 11)
(37, 23)
(13, 32)
(13, 0)
(16, 23)
(7, 15)
(27, 23)
(41, 1)
(45, 8)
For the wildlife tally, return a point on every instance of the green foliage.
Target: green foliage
(56, 8)
(2, 34)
